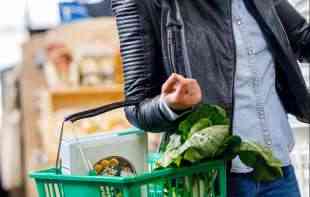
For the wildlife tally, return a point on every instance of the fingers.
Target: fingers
(179, 83)
(186, 87)
(180, 92)
(171, 82)
(192, 85)
(179, 87)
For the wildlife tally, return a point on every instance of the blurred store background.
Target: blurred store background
(59, 57)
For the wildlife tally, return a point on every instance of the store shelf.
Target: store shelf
(84, 96)
(43, 108)
(86, 90)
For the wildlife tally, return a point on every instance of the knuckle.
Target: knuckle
(182, 84)
(192, 81)
(172, 77)
(163, 88)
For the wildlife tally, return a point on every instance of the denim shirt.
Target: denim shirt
(258, 113)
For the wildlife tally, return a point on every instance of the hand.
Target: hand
(181, 93)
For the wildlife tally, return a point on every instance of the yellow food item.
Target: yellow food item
(98, 168)
(104, 163)
(114, 162)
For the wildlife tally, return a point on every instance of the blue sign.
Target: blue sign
(72, 11)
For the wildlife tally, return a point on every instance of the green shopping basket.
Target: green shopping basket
(201, 180)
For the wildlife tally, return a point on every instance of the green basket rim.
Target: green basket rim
(49, 175)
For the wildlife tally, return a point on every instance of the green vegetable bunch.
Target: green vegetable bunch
(204, 135)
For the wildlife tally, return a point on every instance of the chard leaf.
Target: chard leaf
(215, 114)
(171, 153)
(209, 140)
(193, 155)
(230, 148)
(199, 125)
(266, 167)
(202, 144)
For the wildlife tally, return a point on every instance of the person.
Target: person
(239, 54)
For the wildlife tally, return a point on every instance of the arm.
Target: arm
(143, 70)
(296, 27)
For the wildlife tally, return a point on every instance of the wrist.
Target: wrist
(175, 112)
(180, 110)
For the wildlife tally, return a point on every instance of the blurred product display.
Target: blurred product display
(58, 68)
(68, 69)
(95, 66)
(65, 70)
(10, 136)
(85, 66)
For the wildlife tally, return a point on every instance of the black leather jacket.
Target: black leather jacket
(195, 38)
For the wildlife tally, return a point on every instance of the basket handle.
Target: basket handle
(88, 114)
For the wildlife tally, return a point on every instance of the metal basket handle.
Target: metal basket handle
(88, 114)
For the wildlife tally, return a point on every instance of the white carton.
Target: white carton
(78, 155)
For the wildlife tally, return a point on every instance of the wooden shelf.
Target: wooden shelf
(85, 96)
(86, 90)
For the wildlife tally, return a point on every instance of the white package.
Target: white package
(79, 155)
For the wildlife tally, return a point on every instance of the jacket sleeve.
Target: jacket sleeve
(143, 68)
(296, 27)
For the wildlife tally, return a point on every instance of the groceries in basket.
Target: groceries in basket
(114, 166)
(79, 156)
(108, 154)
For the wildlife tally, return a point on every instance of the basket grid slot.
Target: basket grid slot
(110, 191)
(53, 190)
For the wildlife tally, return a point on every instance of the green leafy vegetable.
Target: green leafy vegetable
(193, 155)
(215, 114)
(230, 148)
(202, 144)
(199, 125)
(266, 167)
(171, 154)
(204, 134)
(208, 140)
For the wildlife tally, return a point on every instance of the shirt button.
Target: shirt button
(269, 142)
(239, 22)
(251, 52)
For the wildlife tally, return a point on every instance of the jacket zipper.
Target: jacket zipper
(165, 36)
(171, 50)
(184, 48)
(234, 70)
